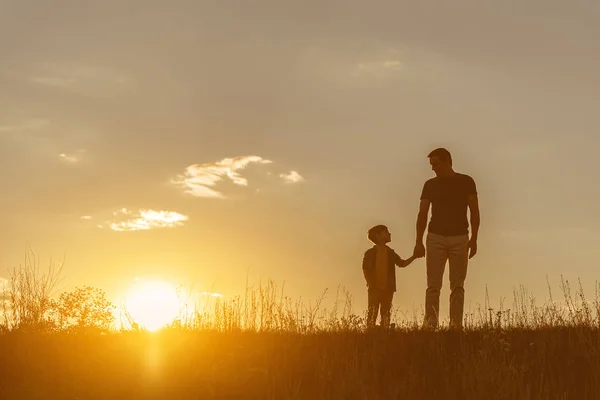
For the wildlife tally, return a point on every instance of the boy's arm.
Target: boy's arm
(403, 263)
(408, 261)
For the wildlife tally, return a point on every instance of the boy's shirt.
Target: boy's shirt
(375, 280)
(381, 267)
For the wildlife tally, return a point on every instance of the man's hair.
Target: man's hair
(374, 231)
(442, 154)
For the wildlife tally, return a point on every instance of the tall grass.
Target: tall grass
(265, 345)
(27, 298)
(267, 309)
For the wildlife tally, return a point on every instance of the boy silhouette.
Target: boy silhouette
(378, 266)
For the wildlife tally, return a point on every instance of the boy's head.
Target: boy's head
(379, 234)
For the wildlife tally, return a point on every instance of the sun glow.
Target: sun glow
(153, 305)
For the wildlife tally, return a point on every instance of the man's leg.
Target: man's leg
(436, 257)
(386, 308)
(373, 307)
(459, 259)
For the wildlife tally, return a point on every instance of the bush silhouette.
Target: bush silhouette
(85, 308)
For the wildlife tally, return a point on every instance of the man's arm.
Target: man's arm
(475, 221)
(421, 226)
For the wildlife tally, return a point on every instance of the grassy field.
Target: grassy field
(264, 346)
(549, 363)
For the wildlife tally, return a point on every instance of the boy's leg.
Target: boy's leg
(386, 308)
(373, 307)
(459, 259)
(436, 257)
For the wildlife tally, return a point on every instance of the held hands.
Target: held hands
(419, 251)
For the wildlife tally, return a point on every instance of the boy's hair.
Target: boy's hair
(374, 231)
(442, 154)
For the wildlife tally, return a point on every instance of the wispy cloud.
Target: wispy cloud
(200, 179)
(378, 69)
(54, 81)
(72, 158)
(32, 124)
(47, 138)
(211, 294)
(292, 177)
(125, 220)
(87, 79)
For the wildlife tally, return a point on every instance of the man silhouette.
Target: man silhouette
(449, 194)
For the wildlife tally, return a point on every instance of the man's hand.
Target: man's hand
(419, 250)
(472, 248)
(475, 221)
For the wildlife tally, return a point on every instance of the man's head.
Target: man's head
(441, 161)
(379, 234)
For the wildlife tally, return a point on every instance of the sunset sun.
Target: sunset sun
(153, 305)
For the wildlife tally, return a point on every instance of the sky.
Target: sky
(211, 143)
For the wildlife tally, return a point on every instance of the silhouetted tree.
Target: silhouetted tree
(85, 308)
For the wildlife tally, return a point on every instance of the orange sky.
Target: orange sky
(105, 107)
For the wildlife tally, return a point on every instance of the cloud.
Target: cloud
(125, 220)
(200, 179)
(292, 177)
(53, 81)
(85, 79)
(210, 294)
(33, 124)
(72, 158)
(378, 69)
(47, 138)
